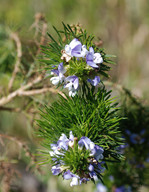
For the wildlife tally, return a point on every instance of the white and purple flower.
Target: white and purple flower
(56, 170)
(93, 59)
(95, 150)
(94, 81)
(60, 74)
(74, 48)
(72, 85)
(93, 166)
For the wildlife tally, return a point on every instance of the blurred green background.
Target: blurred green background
(123, 27)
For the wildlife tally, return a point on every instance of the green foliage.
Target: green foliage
(134, 170)
(7, 50)
(93, 115)
(76, 159)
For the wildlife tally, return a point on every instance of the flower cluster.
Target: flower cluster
(80, 53)
(93, 166)
(123, 189)
(136, 138)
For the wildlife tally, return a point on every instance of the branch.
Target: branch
(21, 91)
(39, 91)
(23, 146)
(11, 96)
(10, 109)
(15, 37)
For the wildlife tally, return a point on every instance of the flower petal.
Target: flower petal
(68, 175)
(74, 43)
(98, 58)
(95, 81)
(56, 170)
(76, 83)
(61, 68)
(75, 181)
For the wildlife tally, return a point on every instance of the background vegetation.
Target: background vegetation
(122, 27)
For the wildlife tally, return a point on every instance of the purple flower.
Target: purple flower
(95, 150)
(91, 167)
(93, 175)
(85, 142)
(94, 81)
(63, 142)
(93, 58)
(136, 138)
(55, 150)
(60, 74)
(84, 180)
(72, 85)
(68, 175)
(56, 170)
(123, 189)
(74, 48)
(98, 168)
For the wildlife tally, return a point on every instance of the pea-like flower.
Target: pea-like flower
(94, 81)
(56, 170)
(83, 56)
(72, 85)
(95, 150)
(60, 74)
(74, 48)
(93, 167)
(93, 59)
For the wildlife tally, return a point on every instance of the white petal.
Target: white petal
(51, 153)
(72, 93)
(69, 86)
(92, 145)
(55, 80)
(84, 51)
(74, 181)
(63, 137)
(74, 43)
(61, 77)
(98, 58)
(68, 49)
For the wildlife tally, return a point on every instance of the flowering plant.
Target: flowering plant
(88, 115)
(75, 60)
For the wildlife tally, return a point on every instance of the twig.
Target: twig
(15, 37)
(9, 109)
(39, 91)
(24, 147)
(10, 97)
(21, 91)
